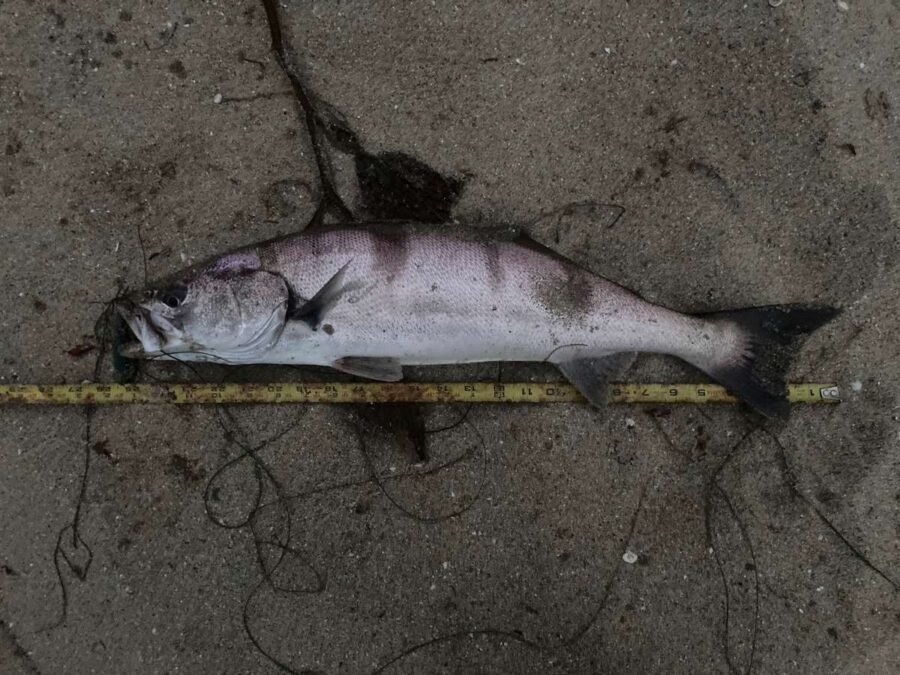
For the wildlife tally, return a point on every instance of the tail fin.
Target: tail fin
(773, 336)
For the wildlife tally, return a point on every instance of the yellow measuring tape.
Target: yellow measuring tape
(382, 392)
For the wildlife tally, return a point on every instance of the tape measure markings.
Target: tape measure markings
(382, 392)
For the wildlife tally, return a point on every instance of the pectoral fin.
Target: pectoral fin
(384, 369)
(313, 310)
(591, 375)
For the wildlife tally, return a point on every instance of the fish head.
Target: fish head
(227, 312)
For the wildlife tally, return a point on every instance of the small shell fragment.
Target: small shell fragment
(630, 557)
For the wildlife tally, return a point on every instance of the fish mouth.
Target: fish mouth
(150, 338)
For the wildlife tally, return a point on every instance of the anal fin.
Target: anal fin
(375, 368)
(591, 375)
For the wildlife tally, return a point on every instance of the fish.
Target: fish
(369, 300)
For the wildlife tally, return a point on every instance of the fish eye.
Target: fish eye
(173, 297)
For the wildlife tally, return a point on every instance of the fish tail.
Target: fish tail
(764, 341)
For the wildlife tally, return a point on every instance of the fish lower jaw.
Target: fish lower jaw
(132, 350)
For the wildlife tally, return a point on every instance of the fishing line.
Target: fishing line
(267, 568)
(756, 583)
(409, 513)
(556, 349)
(261, 470)
(614, 576)
(792, 482)
(713, 486)
(488, 632)
(59, 552)
(330, 200)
